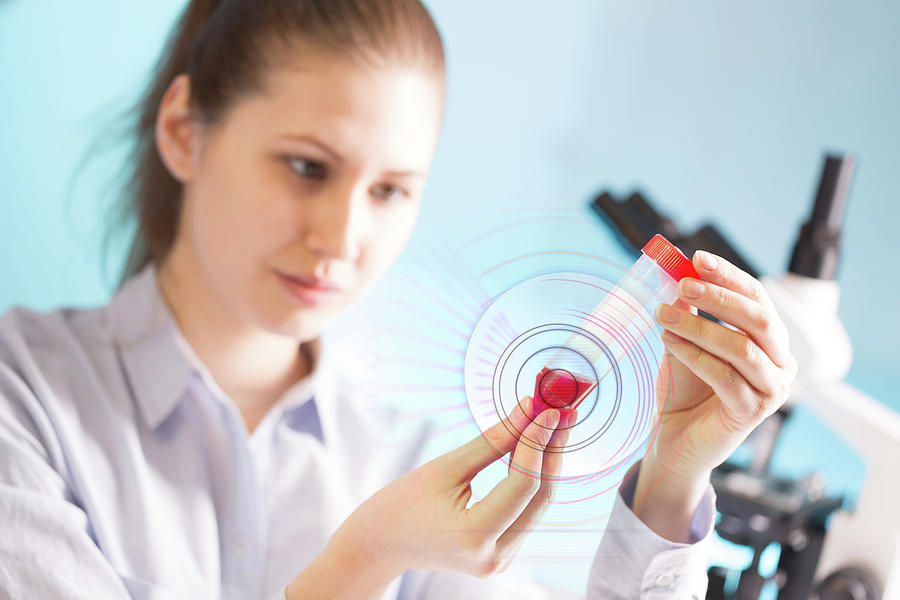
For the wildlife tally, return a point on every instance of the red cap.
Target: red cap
(669, 258)
(557, 388)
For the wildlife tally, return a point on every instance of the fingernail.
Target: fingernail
(672, 338)
(666, 313)
(550, 418)
(707, 260)
(567, 417)
(691, 288)
(527, 407)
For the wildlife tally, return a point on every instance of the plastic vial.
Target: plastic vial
(619, 322)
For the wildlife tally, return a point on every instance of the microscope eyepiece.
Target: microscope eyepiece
(816, 252)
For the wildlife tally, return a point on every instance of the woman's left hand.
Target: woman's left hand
(716, 384)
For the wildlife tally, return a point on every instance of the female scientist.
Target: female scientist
(191, 439)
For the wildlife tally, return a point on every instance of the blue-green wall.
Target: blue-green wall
(717, 110)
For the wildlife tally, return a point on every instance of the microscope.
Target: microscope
(826, 551)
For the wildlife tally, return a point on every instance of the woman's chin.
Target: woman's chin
(301, 324)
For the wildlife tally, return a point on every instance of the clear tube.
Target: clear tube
(617, 324)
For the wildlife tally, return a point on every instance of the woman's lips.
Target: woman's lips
(307, 289)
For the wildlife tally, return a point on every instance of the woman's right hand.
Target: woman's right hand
(420, 520)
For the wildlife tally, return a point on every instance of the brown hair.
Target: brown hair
(224, 47)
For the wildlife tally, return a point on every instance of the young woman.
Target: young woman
(191, 438)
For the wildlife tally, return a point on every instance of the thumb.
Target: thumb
(470, 458)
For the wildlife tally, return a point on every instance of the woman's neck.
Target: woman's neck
(252, 366)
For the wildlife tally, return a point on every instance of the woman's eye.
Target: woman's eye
(309, 169)
(386, 191)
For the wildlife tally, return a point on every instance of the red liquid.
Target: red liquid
(560, 389)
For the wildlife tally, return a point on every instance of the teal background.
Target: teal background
(718, 111)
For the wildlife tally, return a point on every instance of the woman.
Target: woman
(190, 439)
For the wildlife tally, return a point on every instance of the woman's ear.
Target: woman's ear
(177, 133)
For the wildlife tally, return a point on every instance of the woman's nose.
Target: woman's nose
(334, 227)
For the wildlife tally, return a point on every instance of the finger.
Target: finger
(672, 379)
(682, 304)
(497, 441)
(567, 418)
(734, 347)
(716, 269)
(757, 320)
(740, 402)
(512, 538)
(503, 504)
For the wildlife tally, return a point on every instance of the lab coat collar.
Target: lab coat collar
(145, 332)
(159, 362)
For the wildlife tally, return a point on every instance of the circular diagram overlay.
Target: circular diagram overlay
(549, 325)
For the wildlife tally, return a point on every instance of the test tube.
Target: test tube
(619, 322)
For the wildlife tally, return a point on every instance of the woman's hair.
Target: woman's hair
(225, 47)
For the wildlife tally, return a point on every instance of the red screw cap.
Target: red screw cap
(557, 388)
(669, 258)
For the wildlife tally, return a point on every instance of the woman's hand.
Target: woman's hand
(715, 386)
(420, 520)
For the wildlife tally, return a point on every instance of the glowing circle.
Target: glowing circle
(548, 322)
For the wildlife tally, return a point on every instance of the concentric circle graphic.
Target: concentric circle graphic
(558, 323)
(556, 357)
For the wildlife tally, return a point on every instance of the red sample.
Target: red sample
(560, 389)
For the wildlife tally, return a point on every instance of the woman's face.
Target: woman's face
(302, 195)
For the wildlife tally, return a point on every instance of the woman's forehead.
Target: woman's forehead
(394, 109)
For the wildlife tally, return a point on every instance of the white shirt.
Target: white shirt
(125, 471)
